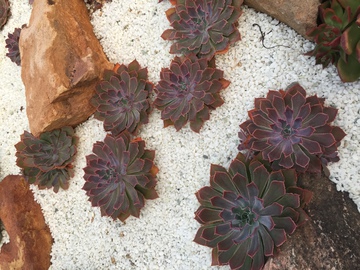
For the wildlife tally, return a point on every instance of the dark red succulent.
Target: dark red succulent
(120, 175)
(46, 161)
(12, 44)
(247, 211)
(4, 12)
(188, 90)
(203, 27)
(291, 130)
(122, 98)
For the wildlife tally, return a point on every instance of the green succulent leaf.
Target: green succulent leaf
(349, 71)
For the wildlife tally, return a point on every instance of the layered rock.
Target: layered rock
(30, 239)
(61, 61)
(299, 15)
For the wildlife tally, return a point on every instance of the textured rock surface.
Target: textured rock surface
(30, 238)
(330, 239)
(61, 62)
(299, 15)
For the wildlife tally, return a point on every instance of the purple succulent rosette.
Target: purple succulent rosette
(338, 37)
(46, 161)
(12, 44)
(120, 175)
(247, 211)
(291, 130)
(188, 90)
(203, 27)
(122, 98)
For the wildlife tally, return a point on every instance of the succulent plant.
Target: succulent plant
(122, 98)
(46, 161)
(291, 130)
(247, 211)
(203, 27)
(188, 90)
(120, 175)
(4, 12)
(338, 37)
(12, 44)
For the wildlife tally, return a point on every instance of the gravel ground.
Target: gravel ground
(162, 237)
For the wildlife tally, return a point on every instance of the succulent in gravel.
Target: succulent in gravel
(338, 37)
(291, 130)
(247, 211)
(120, 175)
(122, 98)
(188, 90)
(4, 12)
(203, 27)
(46, 161)
(12, 44)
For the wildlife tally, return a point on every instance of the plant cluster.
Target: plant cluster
(46, 160)
(120, 175)
(188, 90)
(4, 12)
(247, 211)
(12, 44)
(122, 98)
(338, 37)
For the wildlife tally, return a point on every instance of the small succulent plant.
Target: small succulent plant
(203, 27)
(46, 161)
(120, 175)
(4, 12)
(188, 90)
(122, 98)
(291, 130)
(338, 37)
(247, 211)
(12, 44)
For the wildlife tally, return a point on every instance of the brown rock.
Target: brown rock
(299, 15)
(61, 62)
(330, 239)
(30, 238)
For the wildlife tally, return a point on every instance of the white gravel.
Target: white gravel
(162, 237)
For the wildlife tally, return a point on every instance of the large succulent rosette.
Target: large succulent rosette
(188, 90)
(291, 130)
(247, 211)
(203, 27)
(120, 175)
(46, 161)
(338, 37)
(122, 98)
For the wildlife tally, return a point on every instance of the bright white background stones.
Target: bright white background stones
(162, 237)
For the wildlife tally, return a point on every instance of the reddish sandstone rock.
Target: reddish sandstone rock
(30, 238)
(299, 15)
(61, 62)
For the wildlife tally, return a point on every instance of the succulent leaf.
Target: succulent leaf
(46, 161)
(188, 90)
(12, 44)
(4, 12)
(338, 37)
(120, 175)
(247, 211)
(291, 130)
(122, 98)
(203, 27)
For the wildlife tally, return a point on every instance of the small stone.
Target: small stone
(61, 61)
(299, 15)
(30, 239)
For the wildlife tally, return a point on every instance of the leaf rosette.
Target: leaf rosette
(247, 211)
(46, 161)
(291, 130)
(120, 175)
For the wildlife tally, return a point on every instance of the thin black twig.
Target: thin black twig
(262, 38)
